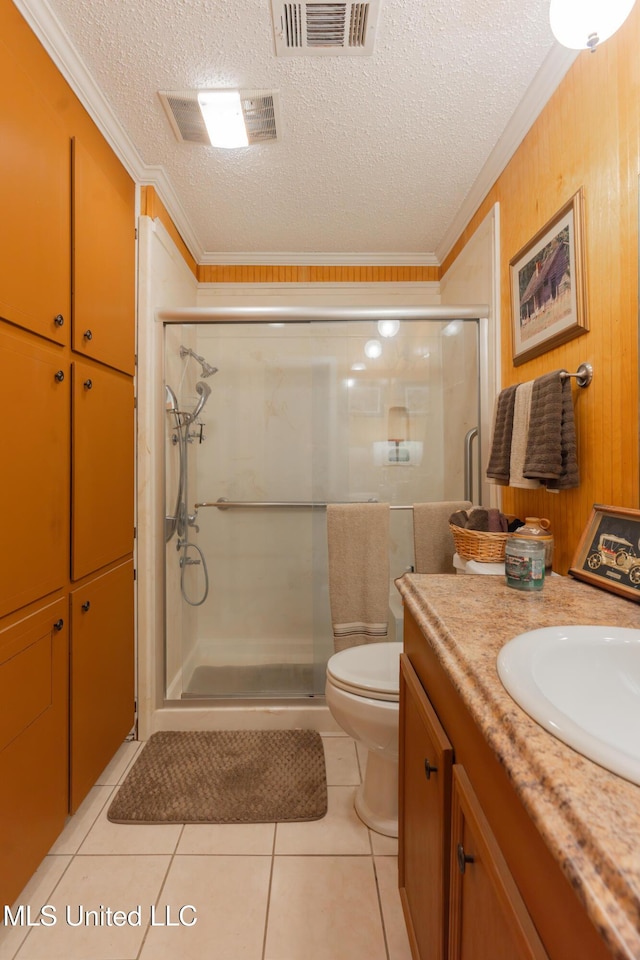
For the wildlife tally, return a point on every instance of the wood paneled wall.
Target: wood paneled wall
(588, 135)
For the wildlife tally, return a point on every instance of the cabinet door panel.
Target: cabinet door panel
(35, 239)
(34, 730)
(488, 918)
(425, 792)
(34, 480)
(102, 472)
(103, 262)
(102, 674)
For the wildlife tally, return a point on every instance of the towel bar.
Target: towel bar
(583, 375)
(223, 504)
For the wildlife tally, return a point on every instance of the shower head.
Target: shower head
(207, 369)
(203, 390)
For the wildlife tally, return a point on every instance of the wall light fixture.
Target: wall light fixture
(583, 24)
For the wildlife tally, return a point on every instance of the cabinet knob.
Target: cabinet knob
(59, 320)
(463, 858)
(59, 376)
(88, 384)
(429, 769)
(58, 625)
(87, 335)
(86, 605)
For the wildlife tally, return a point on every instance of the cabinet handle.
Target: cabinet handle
(463, 858)
(429, 769)
(86, 605)
(87, 335)
(88, 384)
(58, 320)
(58, 625)
(59, 376)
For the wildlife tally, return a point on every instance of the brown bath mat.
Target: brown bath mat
(227, 776)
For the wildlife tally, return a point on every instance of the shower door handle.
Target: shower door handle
(468, 463)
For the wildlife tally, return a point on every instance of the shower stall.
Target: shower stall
(299, 415)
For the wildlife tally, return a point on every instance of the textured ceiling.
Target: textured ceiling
(376, 154)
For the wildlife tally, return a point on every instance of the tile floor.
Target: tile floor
(324, 890)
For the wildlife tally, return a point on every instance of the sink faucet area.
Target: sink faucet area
(582, 684)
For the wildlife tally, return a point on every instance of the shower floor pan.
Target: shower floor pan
(270, 680)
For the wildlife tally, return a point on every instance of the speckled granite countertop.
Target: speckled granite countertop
(588, 817)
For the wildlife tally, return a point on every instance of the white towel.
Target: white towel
(358, 541)
(519, 437)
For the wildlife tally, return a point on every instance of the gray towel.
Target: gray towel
(551, 455)
(359, 577)
(498, 468)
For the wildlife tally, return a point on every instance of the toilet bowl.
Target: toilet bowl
(362, 693)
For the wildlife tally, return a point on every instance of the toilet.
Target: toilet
(362, 693)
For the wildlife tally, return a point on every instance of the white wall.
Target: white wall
(164, 280)
(474, 277)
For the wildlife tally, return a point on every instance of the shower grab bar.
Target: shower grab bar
(223, 504)
(468, 463)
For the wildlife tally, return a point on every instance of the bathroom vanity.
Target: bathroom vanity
(512, 845)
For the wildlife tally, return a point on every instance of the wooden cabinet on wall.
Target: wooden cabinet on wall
(35, 250)
(34, 480)
(103, 263)
(34, 763)
(477, 881)
(67, 478)
(103, 467)
(102, 674)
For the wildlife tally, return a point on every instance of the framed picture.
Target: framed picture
(548, 285)
(608, 554)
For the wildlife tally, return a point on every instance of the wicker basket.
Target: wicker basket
(477, 545)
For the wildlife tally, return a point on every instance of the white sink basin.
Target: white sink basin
(582, 684)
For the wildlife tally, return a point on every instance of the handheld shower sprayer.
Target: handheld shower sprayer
(203, 390)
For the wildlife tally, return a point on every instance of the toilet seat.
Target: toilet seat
(371, 670)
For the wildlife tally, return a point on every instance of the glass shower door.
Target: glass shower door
(301, 415)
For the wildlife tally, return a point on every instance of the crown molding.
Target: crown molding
(546, 81)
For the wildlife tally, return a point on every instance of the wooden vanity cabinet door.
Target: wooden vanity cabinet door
(102, 674)
(104, 259)
(34, 478)
(424, 818)
(102, 468)
(35, 235)
(488, 918)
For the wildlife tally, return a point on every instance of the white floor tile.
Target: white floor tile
(36, 893)
(340, 832)
(129, 838)
(98, 884)
(392, 915)
(252, 839)
(341, 761)
(324, 908)
(118, 768)
(229, 895)
(383, 846)
(78, 826)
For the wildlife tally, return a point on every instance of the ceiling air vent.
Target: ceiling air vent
(260, 109)
(314, 29)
